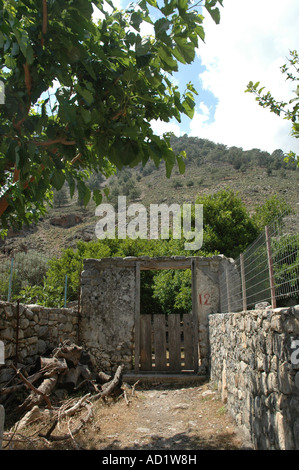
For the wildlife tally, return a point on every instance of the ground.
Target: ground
(150, 417)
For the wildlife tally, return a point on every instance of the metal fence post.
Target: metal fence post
(244, 297)
(270, 265)
(227, 290)
(65, 290)
(10, 280)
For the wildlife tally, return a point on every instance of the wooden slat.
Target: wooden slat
(145, 342)
(188, 342)
(174, 342)
(160, 342)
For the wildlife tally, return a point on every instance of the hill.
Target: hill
(256, 176)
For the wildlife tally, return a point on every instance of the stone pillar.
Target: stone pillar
(107, 312)
(206, 302)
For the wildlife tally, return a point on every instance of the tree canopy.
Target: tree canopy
(108, 82)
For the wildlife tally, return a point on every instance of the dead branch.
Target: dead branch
(69, 435)
(41, 391)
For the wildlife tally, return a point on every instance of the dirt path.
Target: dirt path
(165, 418)
(150, 418)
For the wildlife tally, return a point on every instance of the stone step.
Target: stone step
(156, 378)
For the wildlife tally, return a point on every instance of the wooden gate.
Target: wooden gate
(167, 343)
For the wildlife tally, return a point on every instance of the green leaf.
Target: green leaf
(214, 11)
(153, 3)
(136, 21)
(189, 106)
(87, 95)
(161, 26)
(166, 56)
(185, 49)
(83, 192)
(97, 196)
(58, 179)
(181, 162)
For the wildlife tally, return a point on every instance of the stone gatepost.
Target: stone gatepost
(106, 325)
(207, 272)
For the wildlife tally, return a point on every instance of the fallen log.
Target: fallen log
(40, 394)
(103, 378)
(70, 378)
(69, 351)
(112, 386)
(115, 383)
(52, 366)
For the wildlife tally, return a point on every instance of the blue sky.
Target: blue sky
(252, 42)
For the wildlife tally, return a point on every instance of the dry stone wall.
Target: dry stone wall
(28, 331)
(254, 360)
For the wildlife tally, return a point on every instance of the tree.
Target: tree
(60, 198)
(272, 209)
(290, 109)
(110, 83)
(228, 227)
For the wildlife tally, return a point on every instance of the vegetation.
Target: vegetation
(80, 95)
(228, 229)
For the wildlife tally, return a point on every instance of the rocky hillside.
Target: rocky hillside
(210, 167)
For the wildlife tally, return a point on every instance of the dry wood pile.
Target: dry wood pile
(68, 370)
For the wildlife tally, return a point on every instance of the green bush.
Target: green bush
(228, 226)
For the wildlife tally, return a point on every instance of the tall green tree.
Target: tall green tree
(109, 82)
(228, 227)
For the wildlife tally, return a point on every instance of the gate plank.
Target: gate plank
(174, 342)
(146, 342)
(188, 342)
(160, 342)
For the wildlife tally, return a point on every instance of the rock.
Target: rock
(208, 392)
(66, 220)
(262, 306)
(180, 406)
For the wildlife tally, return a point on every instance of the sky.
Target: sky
(251, 43)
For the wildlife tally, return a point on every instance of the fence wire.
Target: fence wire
(268, 270)
(22, 272)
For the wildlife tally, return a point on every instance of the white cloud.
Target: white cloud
(251, 43)
(159, 127)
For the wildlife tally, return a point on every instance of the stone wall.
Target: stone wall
(108, 291)
(110, 303)
(254, 362)
(29, 331)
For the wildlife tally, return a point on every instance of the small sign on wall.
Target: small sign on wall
(2, 355)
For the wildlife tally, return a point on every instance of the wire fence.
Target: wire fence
(268, 270)
(22, 277)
